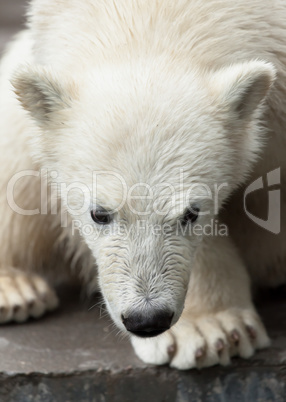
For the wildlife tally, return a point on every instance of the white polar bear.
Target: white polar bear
(145, 117)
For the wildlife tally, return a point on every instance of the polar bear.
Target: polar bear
(127, 128)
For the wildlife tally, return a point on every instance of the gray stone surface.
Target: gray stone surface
(73, 339)
(74, 355)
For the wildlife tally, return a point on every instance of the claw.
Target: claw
(251, 332)
(220, 345)
(16, 308)
(31, 304)
(2, 310)
(235, 337)
(171, 350)
(199, 353)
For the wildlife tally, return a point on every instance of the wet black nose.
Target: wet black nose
(148, 325)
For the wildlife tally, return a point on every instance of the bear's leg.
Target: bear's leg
(24, 295)
(219, 319)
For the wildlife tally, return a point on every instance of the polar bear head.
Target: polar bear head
(145, 155)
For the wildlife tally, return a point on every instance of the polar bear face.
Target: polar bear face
(145, 156)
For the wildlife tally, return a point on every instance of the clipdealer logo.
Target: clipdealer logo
(273, 221)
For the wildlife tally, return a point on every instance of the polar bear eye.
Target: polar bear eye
(101, 216)
(191, 215)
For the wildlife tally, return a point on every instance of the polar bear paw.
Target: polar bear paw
(205, 341)
(23, 296)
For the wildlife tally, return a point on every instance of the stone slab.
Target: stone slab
(76, 355)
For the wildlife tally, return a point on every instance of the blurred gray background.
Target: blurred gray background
(11, 19)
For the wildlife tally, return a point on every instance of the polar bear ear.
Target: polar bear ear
(241, 88)
(42, 94)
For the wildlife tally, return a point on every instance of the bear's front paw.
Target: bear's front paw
(23, 296)
(205, 341)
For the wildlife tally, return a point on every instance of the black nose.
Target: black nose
(148, 325)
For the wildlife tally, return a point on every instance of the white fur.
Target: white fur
(148, 89)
